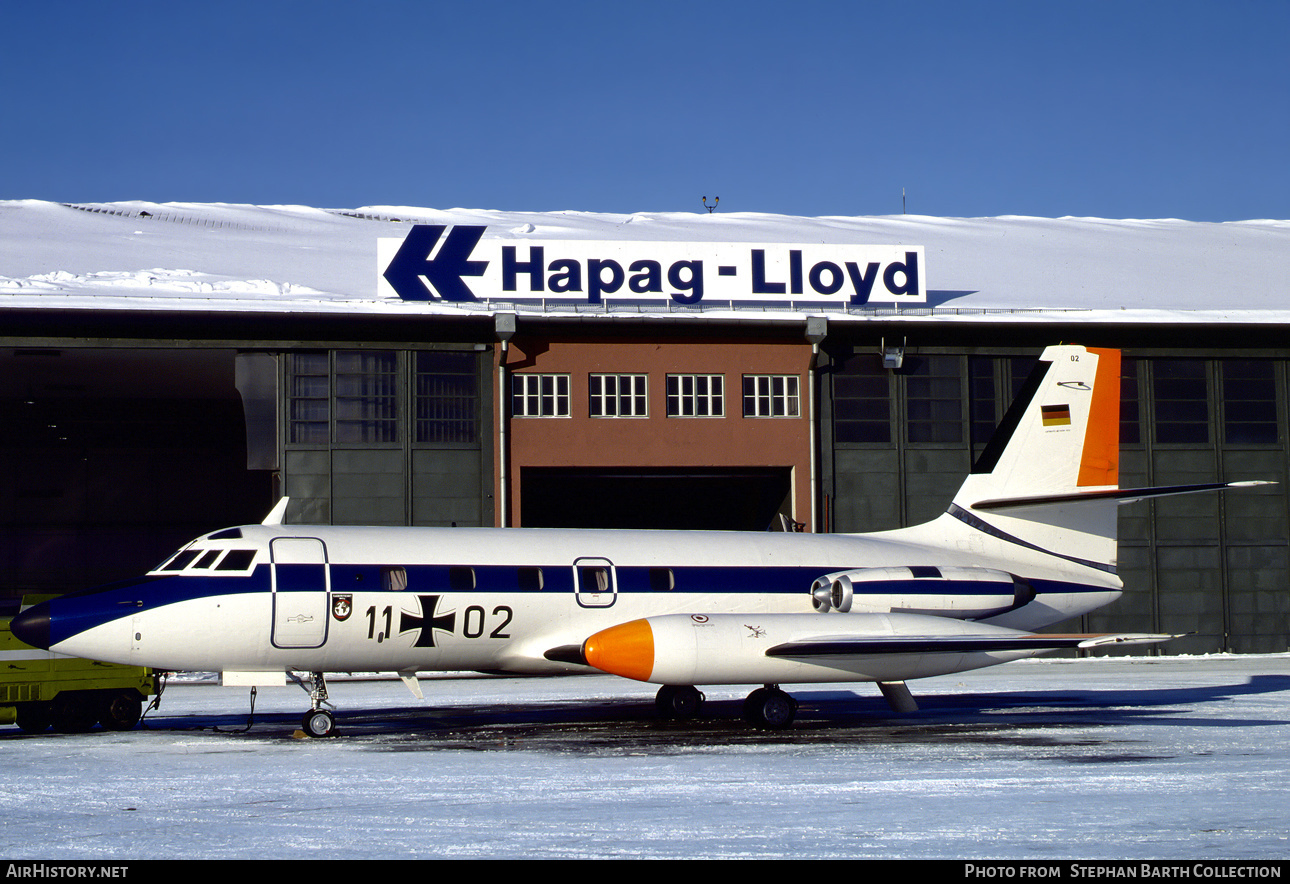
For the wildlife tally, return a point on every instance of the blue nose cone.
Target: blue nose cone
(32, 626)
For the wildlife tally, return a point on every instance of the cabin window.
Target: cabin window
(661, 579)
(529, 579)
(461, 579)
(394, 579)
(594, 578)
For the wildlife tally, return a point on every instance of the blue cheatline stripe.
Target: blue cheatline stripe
(87, 609)
(986, 528)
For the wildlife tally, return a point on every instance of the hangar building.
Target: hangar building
(166, 370)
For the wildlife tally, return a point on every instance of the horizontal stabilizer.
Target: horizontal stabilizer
(946, 644)
(1119, 495)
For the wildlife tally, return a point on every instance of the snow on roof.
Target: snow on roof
(292, 259)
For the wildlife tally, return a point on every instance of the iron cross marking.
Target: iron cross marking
(428, 621)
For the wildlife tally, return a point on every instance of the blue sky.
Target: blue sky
(1126, 109)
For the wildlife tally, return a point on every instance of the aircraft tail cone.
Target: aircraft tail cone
(626, 650)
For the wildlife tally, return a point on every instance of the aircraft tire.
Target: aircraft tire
(770, 708)
(319, 723)
(681, 702)
(121, 711)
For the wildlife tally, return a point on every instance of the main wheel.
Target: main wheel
(770, 708)
(319, 723)
(679, 701)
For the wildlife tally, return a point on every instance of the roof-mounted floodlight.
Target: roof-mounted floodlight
(892, 357)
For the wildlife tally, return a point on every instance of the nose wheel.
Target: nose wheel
(318, 722)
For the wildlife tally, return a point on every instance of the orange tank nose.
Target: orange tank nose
(626, 649)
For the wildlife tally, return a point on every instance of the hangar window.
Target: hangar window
(540, 395)
(310, 396)
(618, 395)
(1180, 393)
(351, 397)
(934, 400)
(367, 394)
(862, 401)
(1130, 432)
(696, 395)
(1249, 402)
(982, 409)
(771, 395)
(447, 397)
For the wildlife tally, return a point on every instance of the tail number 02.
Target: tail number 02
(473, 626)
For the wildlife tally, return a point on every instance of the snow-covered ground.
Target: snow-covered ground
(1110, 758)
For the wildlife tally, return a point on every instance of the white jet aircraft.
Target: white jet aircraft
(1028, 541)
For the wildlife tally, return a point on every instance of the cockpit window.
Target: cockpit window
(207, 560)
(236, 560)
(181, 561)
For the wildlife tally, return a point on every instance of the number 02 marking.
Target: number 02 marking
(473, 622)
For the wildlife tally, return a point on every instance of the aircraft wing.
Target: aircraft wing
(841, 646)
(774, 648)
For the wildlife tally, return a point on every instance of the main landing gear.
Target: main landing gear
(771, 708)
(318, 722)
(767, 707)
(679, 701)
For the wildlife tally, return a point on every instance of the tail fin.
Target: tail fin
(1058, 444)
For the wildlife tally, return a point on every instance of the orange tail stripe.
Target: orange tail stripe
(626, 650)
(1100, 461)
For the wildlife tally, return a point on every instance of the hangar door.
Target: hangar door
(718, 498)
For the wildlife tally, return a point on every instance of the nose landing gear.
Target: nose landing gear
(318, 722)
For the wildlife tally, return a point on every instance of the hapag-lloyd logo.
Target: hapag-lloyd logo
(437, 263)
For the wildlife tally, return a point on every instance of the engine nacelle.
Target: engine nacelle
(690, 649)
(963, 592)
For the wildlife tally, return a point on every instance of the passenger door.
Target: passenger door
(300, 592)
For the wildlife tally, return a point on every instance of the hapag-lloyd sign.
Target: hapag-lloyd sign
(437, 263)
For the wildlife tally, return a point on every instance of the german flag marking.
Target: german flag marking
(1055, 415)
